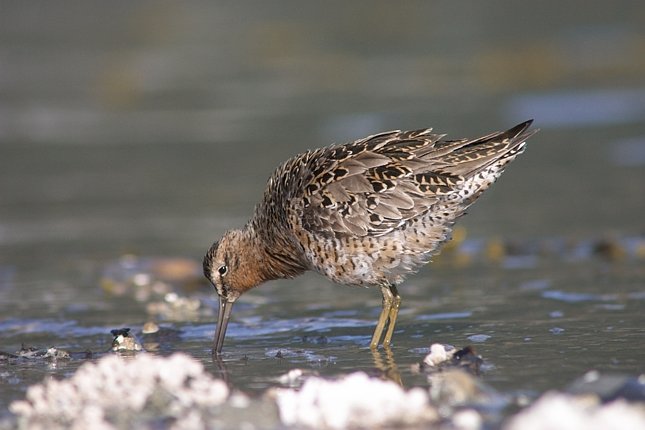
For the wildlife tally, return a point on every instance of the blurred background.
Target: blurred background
(152, 126)
(149, 128)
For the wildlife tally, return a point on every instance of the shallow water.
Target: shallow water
(537, 327)
(152, 135)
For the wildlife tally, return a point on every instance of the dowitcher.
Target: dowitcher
(369, 213)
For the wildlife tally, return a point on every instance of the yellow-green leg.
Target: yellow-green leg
(391, 304)
(394, 312)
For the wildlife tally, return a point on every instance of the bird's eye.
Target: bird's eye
(222, 269)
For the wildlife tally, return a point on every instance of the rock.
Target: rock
(556, 411)
(294, 378)
(467, 419)
(52, 353)
(609, 387)
(355, 401)
(150, 327)
(141, 391)
(442, 356)
(438, 354)
(124, 340)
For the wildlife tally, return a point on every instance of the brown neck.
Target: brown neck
(267, 257)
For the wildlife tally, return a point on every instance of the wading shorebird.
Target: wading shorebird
(364, 213)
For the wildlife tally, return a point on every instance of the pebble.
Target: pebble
(438, 354)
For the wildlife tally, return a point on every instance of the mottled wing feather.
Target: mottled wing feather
(367, 187)
(374, 185)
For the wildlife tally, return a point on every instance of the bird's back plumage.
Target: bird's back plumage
(374, 210)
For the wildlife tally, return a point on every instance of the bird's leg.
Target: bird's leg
(388, 298)
(394, 312)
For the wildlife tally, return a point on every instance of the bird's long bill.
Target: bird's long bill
(225, 308)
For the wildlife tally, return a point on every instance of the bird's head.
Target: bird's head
(231, 266)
